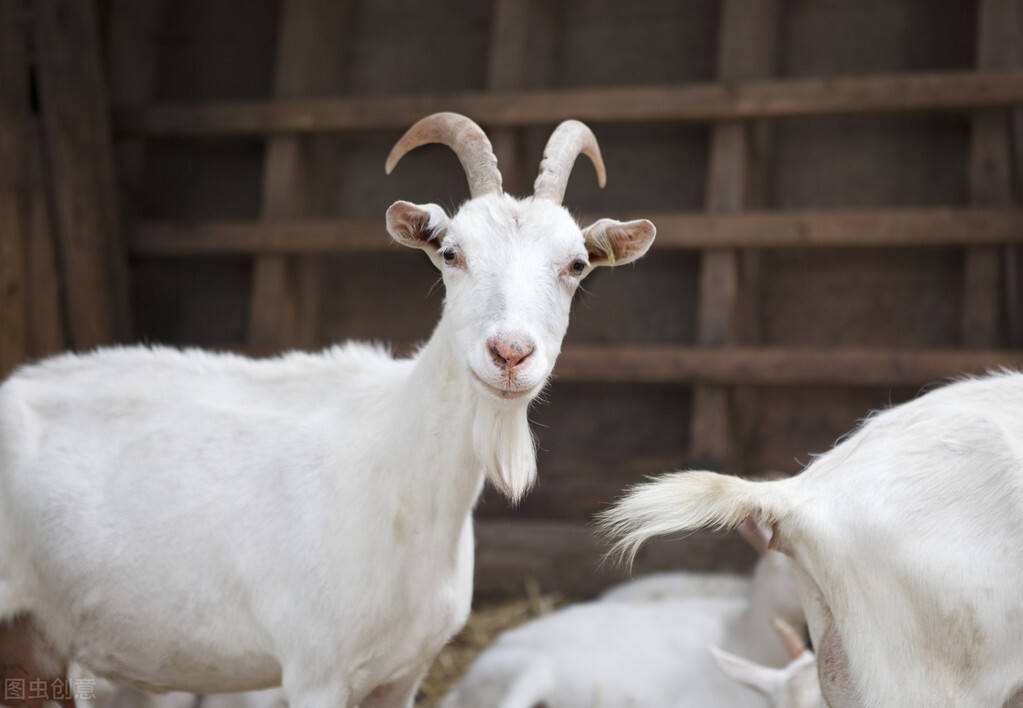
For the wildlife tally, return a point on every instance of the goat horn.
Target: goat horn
(463, 136)
(794, 644)
(566, 142)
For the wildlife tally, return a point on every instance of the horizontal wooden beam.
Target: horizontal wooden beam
(675, 230)
(696, 102)
(779, 366)
(568, 557)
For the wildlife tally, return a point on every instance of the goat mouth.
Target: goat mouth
(507, 394)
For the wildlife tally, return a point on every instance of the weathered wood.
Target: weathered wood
(569, 557)
(285, 291)
(14, 117)
(133, 31)
(675, 231)
(47, 328)
(80, 171)
(13, 332)
(897, 93)
(990, 179)
(779, 366)
(509, 29)
(748, 39)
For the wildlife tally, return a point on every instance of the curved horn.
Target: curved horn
(463, 136)
(794, 644)
(566, 142)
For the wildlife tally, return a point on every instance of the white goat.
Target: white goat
(643, 644)
(794, 686)
(211, 523)
(906, 539)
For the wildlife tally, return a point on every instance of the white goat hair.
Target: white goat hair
(183, 520)
(622, 650)
(676, 586)
(906, 539)
(109, 695)
(794, 686)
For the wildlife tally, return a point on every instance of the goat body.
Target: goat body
(644, 643)
(906, 541)
(209, 523)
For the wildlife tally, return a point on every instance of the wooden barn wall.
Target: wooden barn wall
(593, 438)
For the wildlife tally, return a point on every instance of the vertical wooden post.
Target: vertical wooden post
(521, 31)
(133, 29)
(79, 169)
(14, 346)
(998, 38)
(285, 289)
(747, 48)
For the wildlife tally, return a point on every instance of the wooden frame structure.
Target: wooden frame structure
(44, 225)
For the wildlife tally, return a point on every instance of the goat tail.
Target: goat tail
(687, 501)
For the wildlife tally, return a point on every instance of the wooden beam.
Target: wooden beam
(284, 308)
(14, 118)
(133, 51)
(779, 366)
(13, 332)
(80, 171)
(675, 231)
(990, 180)
(778, 98)
(567, 557)
(46, 318)
(508, 32)
(747, 41)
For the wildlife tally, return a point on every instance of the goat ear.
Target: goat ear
(417, 225)
(611, 242)
(761, 678)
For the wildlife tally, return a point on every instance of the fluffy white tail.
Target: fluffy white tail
(687, 501)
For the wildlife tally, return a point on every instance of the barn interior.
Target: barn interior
(836, 186)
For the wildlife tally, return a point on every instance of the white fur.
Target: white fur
(107, 695)
(643, 644)
(207, 522)
(906, 539)
(794, 686)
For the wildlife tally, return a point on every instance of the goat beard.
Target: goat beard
(504, 446)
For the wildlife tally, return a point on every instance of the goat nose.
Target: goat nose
(509, 351)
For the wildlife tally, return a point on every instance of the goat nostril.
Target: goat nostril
(509, 352)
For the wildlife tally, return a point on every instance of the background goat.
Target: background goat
(906, 539)
(794, 686)
(207, 522)
(646, 643)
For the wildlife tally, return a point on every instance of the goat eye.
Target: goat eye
(578, 266)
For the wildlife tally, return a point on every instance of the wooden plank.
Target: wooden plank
(505, 72)
(748, 39)
(779, 366)
(778, 98)
(568, 557)
(675, 231)
(284, 307)
(80, 171)
(14, 116)
(13, 334)
(523, 36)
(47, 327)
(990, 180)
(133, 31)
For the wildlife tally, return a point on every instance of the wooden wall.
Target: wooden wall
(767, 401)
